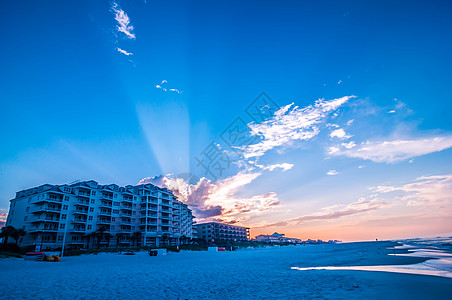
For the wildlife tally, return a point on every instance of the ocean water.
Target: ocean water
(438, 250)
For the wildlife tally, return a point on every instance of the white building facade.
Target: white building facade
(73, 214)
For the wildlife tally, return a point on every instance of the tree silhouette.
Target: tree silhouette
(8, 231)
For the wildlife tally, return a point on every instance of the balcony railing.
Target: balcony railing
(46, 219)
(45, 209)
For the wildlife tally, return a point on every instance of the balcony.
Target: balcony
(78, 229)
(127, 200)
(46, 219)
(106, 196)
(104, 212)
(80, 212)
(43, 229)
(49, 199)
(107, 204)
(46, 208)
(104, 221)
(78, 220)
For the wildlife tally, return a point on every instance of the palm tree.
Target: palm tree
(118, 238)
(87, 237)
(136, 236)
(100, 235)
(20, 232)
(183, 239)
(8, 231)
(164, 238)
(108, 236)
(90, 237)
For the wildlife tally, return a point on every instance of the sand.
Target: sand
(264, 273)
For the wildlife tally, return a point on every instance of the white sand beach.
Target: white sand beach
(264, 273)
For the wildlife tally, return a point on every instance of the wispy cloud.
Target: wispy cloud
(395, 150)
(123, 21)
(124, 51)
(425, 190)
(283, 167)
(290, 124)
(163, 88)
(335, 212)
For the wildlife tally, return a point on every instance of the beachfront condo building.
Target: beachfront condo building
(214, 232)
(87, 214)
(277, 238)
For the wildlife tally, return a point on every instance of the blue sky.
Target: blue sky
(121, 91)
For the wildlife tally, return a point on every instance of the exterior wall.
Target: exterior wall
(51, 214)
(276, 238)
(214, 232)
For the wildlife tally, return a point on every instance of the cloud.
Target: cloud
(3, 218)
(425, 190)
(332, 172)
(283, 167)
(340, 133)
(394, 151)
(123, 21)
(335, 212)
(290, 124)
(162, 84)
(218, 201)
(124, 51)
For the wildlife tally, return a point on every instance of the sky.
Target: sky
(317, 119)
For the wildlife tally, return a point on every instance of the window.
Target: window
(116, 203)
(93, 193)
(115, 211)
(90, 218)
(115, 196)
(60, 238)
(91, 209)
(62, 226)
(63, 217)
(66, 198)
(65, 207)
(92, 201)
(113, 219)
(90, 226)
(134, 212)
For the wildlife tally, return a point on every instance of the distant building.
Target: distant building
(276, 238)
(56, 214)
(214, 232)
